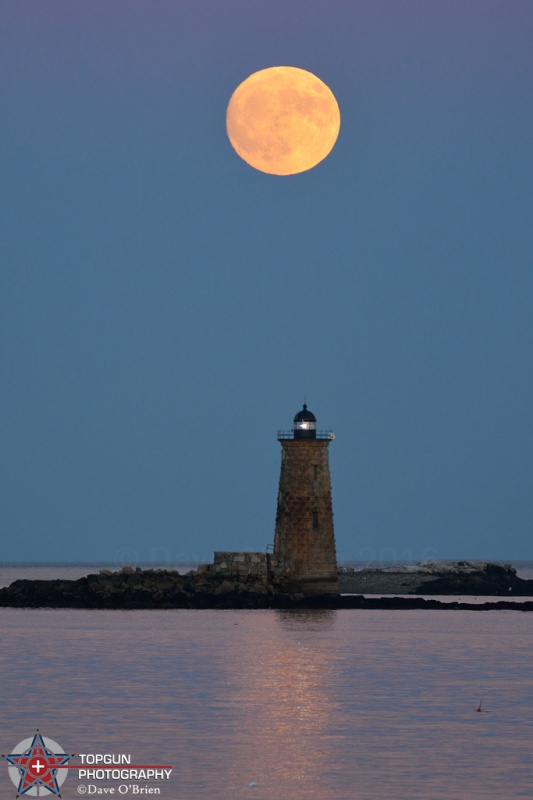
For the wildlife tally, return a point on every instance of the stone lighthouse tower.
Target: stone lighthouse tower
(304, 541)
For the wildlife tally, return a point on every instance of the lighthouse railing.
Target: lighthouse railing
(319, 435)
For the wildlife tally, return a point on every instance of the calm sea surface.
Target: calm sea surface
(332, 705)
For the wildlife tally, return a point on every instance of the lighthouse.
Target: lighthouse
(304, 539)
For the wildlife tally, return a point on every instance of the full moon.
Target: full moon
(283, 120)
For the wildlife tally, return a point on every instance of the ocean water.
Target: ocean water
(278, 705)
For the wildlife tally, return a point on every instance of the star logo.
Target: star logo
(35, 764)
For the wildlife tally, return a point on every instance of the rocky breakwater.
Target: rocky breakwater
(437, 578)
(132, 588)
(136, 588)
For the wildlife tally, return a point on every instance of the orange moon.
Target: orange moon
(283, 120)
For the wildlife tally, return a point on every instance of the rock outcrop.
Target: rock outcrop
(438, 578)
(136, 588)
(132, 588)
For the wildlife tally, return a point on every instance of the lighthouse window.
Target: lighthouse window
(315, 519)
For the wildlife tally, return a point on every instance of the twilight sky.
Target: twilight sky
(165, 308)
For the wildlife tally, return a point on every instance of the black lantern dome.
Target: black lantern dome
(304, 425)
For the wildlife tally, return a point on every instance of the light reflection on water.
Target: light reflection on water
(336, 705)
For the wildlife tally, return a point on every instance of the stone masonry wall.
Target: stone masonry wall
(241, 566)
(304, 521)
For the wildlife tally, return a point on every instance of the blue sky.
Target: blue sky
(165, 308)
